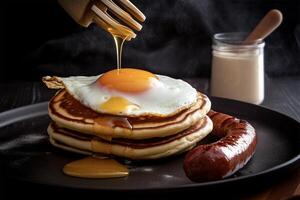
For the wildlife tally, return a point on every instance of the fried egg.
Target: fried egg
(131, 92)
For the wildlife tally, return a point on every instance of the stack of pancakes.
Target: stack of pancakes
(77, 128)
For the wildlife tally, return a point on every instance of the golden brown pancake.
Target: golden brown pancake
(69, 113)
(135, 149)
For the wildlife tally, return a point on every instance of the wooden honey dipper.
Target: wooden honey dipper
(100, 12)
(265, 27)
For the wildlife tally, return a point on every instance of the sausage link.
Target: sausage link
(235, 146)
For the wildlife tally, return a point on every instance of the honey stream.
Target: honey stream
(92, 166)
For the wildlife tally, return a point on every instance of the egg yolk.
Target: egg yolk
(117, 104)
(127, 80)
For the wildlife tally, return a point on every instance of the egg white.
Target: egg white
(166, 97)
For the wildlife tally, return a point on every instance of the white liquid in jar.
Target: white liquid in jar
(238, 75)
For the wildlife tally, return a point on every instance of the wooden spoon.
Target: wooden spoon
(265, 27)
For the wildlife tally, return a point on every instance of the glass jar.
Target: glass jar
(237, 68)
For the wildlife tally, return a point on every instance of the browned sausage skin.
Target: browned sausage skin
(236, 145)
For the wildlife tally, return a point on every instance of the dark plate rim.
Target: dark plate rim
(33, 110)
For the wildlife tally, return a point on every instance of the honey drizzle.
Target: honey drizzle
(120, 33)
(113, 121)
(99, 167)
(119, 47)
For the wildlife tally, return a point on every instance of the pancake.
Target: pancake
(134, 149)
(69, 113)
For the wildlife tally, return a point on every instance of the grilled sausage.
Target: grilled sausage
(235, 146)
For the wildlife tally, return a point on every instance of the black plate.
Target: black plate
(33, 159)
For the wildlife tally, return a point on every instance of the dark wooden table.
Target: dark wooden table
(282, 94)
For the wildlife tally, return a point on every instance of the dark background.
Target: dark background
(39, 38)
